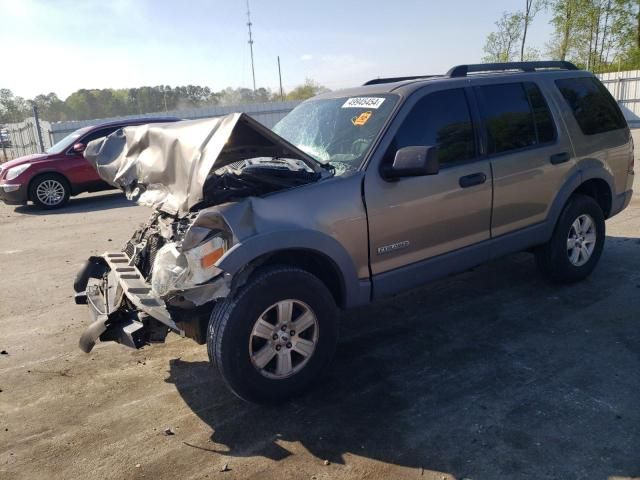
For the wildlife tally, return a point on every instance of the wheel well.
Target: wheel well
(599, 190)
(313, 262)
(52, 174)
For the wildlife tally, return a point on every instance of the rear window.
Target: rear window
(516, 116)
(592, 105)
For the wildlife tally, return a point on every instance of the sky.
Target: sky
(63, 45)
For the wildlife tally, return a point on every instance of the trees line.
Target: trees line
(598, 35)
(87, 104)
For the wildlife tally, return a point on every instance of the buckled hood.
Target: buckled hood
(165, 165)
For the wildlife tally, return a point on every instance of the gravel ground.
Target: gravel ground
(489, 374)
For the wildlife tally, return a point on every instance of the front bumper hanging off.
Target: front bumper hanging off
(102, 284)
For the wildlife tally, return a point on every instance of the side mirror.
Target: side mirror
(79, 147)
(414, 162)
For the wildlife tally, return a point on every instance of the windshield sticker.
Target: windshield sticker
(361, 119)
(363, 102)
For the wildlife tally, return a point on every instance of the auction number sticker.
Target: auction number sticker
(363, 102)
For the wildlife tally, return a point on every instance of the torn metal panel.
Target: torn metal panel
(165, 166)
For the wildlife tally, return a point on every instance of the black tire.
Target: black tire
(232, 321)
(552, 258)
(56, 180)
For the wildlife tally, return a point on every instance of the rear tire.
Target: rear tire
(252, 339)
(49, 191)
(576, 244)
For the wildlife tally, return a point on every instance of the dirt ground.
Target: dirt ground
(492, 374)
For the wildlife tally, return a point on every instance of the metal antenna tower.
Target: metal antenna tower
(253, 70)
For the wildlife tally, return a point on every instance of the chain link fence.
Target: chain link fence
(18, 139)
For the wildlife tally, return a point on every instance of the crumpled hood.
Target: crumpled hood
(165, 165)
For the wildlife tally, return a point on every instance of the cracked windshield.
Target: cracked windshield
(337, 131)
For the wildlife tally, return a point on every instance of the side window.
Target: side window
(442, 120)
(98, 134)
(516, 116)
(593, 107)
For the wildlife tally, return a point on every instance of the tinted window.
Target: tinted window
(99, 134)
(441, 120)
(516, 116)
(543, 122)
(593, 107)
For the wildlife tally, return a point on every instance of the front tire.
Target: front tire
(576, 244)
(49, 191)
(270, 340)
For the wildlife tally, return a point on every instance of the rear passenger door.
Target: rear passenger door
(530, 153)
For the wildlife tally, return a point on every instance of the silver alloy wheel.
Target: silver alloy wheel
(283, 339)
(582, 240)
(50, 192)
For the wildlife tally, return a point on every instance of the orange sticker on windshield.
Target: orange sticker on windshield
(361, 119)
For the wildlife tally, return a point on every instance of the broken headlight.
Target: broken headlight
(176, 270)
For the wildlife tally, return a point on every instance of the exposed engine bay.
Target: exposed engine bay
(166, 276)
(254, 177)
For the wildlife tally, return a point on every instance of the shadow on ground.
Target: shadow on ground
(83, 204)
(490, 374)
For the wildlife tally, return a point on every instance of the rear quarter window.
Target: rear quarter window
(592, 105)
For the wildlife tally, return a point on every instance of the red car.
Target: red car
(49, 179)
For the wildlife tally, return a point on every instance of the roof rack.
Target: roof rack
(463, 70)
(377, 81)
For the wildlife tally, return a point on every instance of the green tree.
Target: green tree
(85, 104)
(626, 31)
(307, 90)
(500, 45)
(12, 108)
(611, 29)
(50, 107)
(564, 20)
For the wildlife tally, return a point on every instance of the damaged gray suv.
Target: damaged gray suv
(260, 237)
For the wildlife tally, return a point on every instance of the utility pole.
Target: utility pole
(280, 77)
(253, 70)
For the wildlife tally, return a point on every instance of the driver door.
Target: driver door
(421, 228)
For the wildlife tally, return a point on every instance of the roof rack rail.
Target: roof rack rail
(377, 81)
(463, 70)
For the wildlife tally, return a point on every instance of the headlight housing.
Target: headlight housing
(15, 172)
(176, 270)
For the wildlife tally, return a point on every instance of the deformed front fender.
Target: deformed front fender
(357, 292)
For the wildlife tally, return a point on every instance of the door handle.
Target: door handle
(473, 179)
(559, 158)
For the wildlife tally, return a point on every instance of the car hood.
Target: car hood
(165, 165)
(25, 159)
